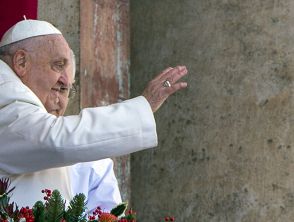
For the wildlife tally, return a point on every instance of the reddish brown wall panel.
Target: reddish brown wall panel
(104, 51)
(104, 63)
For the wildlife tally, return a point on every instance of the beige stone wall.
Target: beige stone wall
(226, 144)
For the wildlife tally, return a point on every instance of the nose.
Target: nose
(63, 80)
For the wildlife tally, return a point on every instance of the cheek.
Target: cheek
(50, 102)
(63, 105)
(42, 80)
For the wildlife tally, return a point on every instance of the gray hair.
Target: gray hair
(7, 51)
(4, 50)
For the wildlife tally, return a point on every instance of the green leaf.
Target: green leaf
(130, 217)
(39, 211)
(76, 209)
(12, 210)
(55, 207)
(119, 209)
(4, 200)
(3, 214)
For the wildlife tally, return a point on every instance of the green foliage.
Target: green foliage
(119, 209)
(4, 192)
(12, 211)
(7, 209)
(130, 216)
(76, 209)
(4, 200)
(39, 211)
(54, 207)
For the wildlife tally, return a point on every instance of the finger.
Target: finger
(175, 74)
(176, 87)
(159, 76)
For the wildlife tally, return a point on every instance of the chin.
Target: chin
(55, 113)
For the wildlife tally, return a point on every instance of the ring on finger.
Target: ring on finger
(166, 84)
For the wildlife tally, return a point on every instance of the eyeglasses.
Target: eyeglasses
(67, 91)
(73, 91)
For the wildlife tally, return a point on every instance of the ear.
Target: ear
(20, 63)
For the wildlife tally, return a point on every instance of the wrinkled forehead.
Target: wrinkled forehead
(56, 48)
(55, 45)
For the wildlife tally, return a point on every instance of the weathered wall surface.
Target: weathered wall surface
(226, 145)
(104, 66)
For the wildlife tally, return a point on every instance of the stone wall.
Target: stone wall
(226, 143)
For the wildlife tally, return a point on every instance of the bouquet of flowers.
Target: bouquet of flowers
(53, 209)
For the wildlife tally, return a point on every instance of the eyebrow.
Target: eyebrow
(63, 59)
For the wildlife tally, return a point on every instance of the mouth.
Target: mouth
(55, 88)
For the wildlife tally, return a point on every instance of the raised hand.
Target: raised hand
(164, 85)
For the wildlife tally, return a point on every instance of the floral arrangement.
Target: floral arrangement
(53, 209)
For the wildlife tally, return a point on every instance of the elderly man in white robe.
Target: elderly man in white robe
(38, 144)
(94, 179)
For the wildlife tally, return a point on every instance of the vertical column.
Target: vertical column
(226, 143)
(104, 67)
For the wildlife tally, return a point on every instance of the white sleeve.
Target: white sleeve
(32, 140)
(98, 182)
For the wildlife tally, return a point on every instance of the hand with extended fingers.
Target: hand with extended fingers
(164, 85)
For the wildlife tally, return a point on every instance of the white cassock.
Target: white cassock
(98, 182)
(37, 147)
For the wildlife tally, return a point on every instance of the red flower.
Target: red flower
(107, 217)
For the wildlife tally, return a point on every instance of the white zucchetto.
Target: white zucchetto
(27, 29)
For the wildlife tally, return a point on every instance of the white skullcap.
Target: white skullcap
(27, 29)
